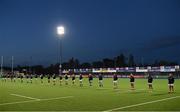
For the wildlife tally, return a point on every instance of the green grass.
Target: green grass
(88, 98)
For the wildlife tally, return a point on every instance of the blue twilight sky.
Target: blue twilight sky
(95, 29)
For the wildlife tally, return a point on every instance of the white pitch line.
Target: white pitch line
(25, 96)
(48, 99)
(104, 88)
(56, 98)
(135, 105)
(18, 102)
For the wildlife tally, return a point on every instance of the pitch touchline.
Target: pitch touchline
(48, 99)
(120, 108)
(25, 96)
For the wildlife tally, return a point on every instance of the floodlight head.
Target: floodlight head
(60, 30)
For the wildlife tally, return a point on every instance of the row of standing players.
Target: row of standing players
(90, 77)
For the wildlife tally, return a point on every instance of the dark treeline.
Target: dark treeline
(119, 61)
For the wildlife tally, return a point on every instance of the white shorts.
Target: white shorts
(100, 81)
(149, 83)
(80, 80)
(170, 84)
(132, 82)
(114, 81)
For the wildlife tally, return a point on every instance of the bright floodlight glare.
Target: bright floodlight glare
(60, 30)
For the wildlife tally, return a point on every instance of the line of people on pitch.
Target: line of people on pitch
(149, 80)
(29, 79)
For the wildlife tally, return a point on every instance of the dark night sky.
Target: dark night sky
(95, 29)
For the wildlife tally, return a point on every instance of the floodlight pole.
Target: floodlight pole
(1, 65)
(60, 32)
(60, 65)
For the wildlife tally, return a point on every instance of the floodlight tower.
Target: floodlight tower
(60, 32)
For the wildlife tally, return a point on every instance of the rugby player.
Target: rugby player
(132, 81)
(90, 79)
(4, 78)
(115, 79)
(66, 79)
(8, 77)
(31, 78)
(100, 80)
(54, 79)
(150, 80)
(73, 79)
(14, 78)
(60, 79)
(27, 78)
(41, 78)
(81, 80)
(171, 83)
(49, 78)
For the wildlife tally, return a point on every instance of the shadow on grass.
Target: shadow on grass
(137, 92)
(159, 94)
